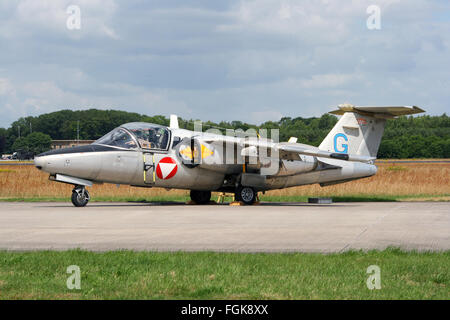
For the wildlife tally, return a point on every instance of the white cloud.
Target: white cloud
(329, 19)
(43, 97)
(328, 80)
(247, 60)
(259, 117)
(47, 18)
(6, 87)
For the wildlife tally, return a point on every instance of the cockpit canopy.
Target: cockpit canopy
(147, 135)
(118, 138)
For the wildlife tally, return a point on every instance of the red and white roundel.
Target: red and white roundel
(166, 168)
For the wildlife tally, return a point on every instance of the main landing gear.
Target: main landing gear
(80, 196)
(245, 194)
(200, 197)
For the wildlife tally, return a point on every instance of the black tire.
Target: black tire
(80, 198)
(245, 194)
(200, 197)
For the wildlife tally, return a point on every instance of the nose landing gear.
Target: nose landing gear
(80, 196)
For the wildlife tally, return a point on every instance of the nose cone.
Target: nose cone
(374, 170)
(39, 162)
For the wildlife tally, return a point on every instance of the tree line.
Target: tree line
(405, 137)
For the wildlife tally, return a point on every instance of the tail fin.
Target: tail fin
(360, 129)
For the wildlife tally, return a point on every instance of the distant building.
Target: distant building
(61, 144)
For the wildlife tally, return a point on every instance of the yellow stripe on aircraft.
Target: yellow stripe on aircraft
(187, 152)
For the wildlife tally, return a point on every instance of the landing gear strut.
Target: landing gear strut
(200, 197)
(245, 194)
(80, 196)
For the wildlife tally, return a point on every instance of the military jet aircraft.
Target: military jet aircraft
(151, 155)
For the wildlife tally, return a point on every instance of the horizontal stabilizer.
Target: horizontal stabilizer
(387, 112)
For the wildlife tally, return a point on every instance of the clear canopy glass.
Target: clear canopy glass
(118, 138)
(148, 135)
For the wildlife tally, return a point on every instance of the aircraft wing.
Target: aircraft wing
(316, 152)
(286, 150)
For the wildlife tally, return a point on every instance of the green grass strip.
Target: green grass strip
(208, 275)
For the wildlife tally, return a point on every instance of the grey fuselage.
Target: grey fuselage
(164, 167)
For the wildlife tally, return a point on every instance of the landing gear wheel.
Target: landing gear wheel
(245, 194)
(80, 197)
(200, 197)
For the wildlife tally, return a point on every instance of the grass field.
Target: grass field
(206, 275)
(394, 181)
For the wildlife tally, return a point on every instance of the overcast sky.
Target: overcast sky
(222, 60)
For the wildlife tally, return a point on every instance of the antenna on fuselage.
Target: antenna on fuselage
(173, 122)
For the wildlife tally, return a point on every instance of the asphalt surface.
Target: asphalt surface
(261, 228)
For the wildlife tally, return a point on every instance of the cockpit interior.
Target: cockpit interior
(137, 134)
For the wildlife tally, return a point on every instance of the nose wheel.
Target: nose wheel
(80, 196)
(245, 194)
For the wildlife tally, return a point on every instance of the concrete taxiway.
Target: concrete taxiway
(267, 227)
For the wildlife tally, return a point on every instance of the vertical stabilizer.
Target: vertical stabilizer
(360, 129)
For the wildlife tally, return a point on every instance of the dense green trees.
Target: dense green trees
(406, 137)
(2, 140)
(36, 142)
(416, 137)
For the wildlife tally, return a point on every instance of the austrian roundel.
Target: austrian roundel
(166, 168)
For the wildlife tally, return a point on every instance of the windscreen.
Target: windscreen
(118, 138)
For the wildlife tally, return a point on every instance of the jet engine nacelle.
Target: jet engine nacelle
(293, 167)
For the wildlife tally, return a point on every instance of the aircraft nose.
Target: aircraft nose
(40, 162)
